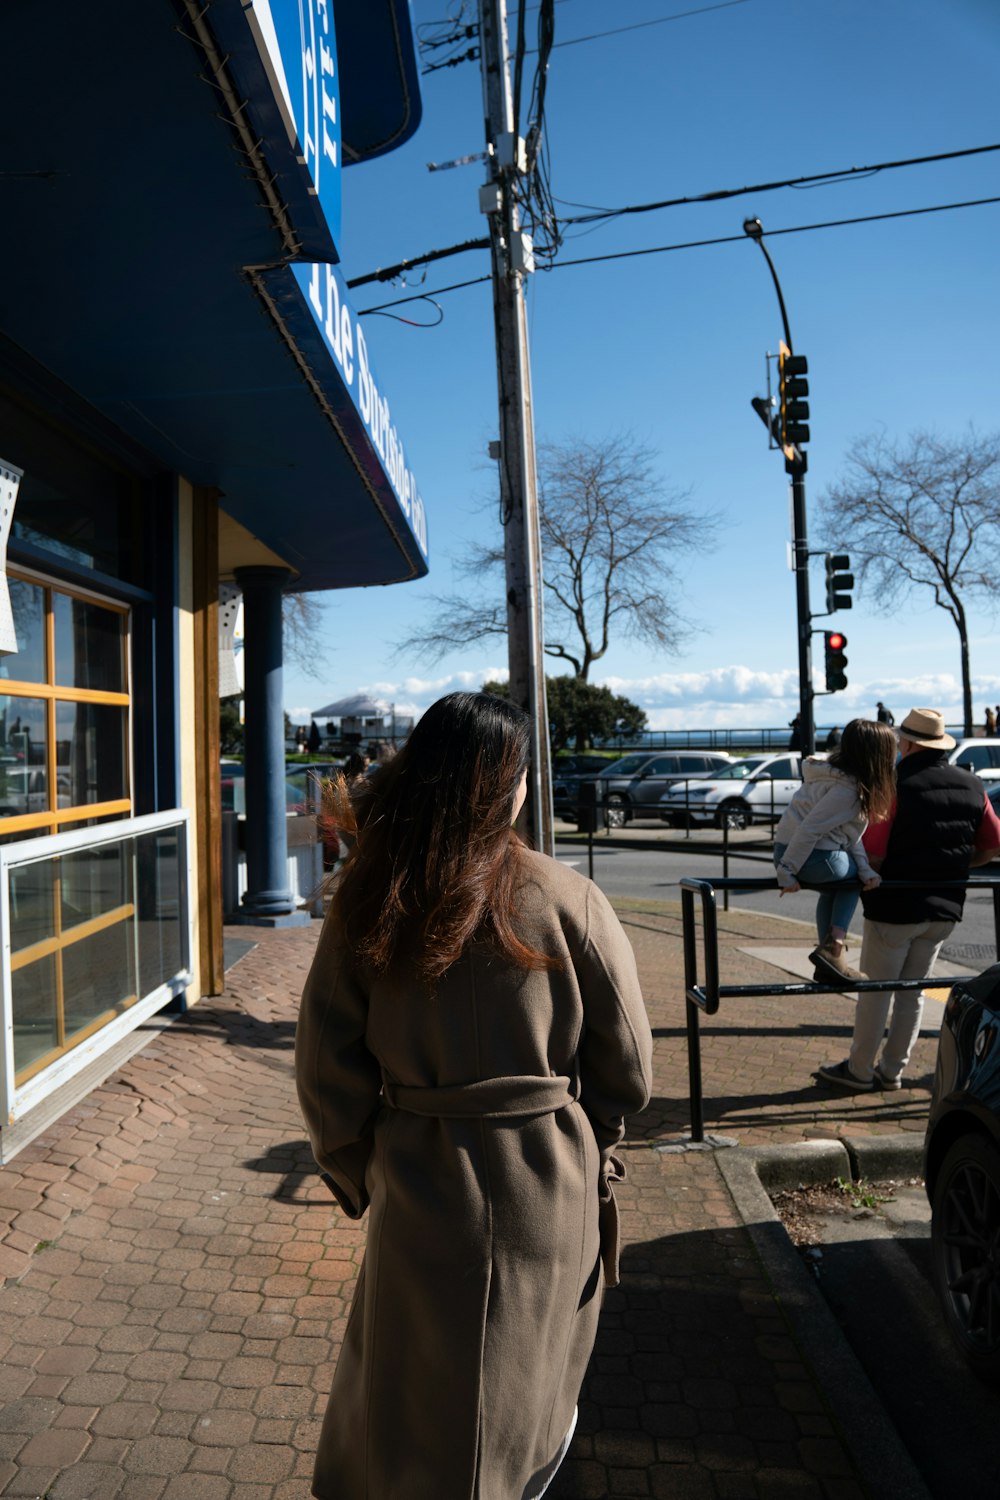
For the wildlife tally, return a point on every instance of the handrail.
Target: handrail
(706, 997)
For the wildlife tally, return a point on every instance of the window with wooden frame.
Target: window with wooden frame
(65, 762)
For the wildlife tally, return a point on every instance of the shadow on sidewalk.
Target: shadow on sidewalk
(696, 1385)
(293, 1162)
(810, 1104)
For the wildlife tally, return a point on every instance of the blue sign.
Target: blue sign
(325, 292)
(301, 46)
(283, 57)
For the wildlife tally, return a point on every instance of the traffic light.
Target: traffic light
(793, 388)
(835, 645)
(838, 582)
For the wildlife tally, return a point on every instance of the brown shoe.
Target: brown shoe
(831, 964)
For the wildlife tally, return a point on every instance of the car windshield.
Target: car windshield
(627, 766)
(739, 770)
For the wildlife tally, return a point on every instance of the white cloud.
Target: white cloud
(725, 696)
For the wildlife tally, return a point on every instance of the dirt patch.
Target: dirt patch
(806, 1212)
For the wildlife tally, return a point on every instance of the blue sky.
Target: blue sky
(898, 320)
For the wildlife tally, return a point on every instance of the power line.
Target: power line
(727, 239)
(680, 15)
(599, 215)
(388, 273)
(902, 213)
(437, 292)
(813, 178)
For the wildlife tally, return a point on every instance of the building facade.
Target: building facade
(189, 413)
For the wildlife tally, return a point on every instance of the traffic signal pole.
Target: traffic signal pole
(800, 553)
(795, 467)
(511, 261)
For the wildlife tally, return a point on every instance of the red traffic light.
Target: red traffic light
(834, 641)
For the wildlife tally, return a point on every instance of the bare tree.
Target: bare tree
(302, 625)
(924, 514)
(611, 536)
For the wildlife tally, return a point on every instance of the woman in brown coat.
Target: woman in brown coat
(471, 1037)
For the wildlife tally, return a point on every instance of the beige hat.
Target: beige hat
(925, 726)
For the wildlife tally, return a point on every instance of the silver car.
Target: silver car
(756, 789)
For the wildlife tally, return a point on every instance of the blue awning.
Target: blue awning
(148, 268)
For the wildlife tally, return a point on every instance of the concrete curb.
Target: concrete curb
(864, 1425)
(876, 1157)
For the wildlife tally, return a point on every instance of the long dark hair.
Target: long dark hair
(436, 860)
(867, 752)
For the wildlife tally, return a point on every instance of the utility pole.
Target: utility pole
(510, 252)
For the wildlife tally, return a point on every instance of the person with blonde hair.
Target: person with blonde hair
(471, 1039)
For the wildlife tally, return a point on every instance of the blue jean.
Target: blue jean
(834, 908)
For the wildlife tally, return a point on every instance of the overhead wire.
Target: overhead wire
(812, 179)
(600, 216)
(726, 239)
(681, 15)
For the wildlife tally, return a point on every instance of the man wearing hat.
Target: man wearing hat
(942, 825)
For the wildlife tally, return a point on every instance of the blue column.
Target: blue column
(268, 901)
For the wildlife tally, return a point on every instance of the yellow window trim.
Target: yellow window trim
(70, 935)
(55, 1053)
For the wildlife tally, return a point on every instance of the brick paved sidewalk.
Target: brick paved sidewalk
(178, 1280)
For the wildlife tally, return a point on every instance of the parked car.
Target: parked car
(981, 756)
(962, 1171)
(756, 789)
(634, 785)
(567, 773)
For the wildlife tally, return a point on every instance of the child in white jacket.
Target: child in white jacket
(818, 839)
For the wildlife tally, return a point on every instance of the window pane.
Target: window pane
(32, 904)
(27, 833)
(98, 975)
(23, 775)
(27, 602)
(976, 756)
(89, 514)
(94, 881)
(90, 753)
(34, 1005)
(89, 645)
(159, 859)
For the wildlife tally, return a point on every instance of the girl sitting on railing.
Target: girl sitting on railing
(818, 839)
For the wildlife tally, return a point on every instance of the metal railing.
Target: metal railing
(708, 996)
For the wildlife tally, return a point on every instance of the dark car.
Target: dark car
(962, 1171)
(567, 773)
(634, 785)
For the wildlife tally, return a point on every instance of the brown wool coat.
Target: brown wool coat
(454, 1117)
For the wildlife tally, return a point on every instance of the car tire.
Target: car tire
(733, 814)
(965, 1230)
(616, 811)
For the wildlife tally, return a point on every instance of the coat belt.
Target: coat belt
(488, 1099)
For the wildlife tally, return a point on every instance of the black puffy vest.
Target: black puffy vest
(938, 811)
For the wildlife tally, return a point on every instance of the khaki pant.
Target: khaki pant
(893, 950)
